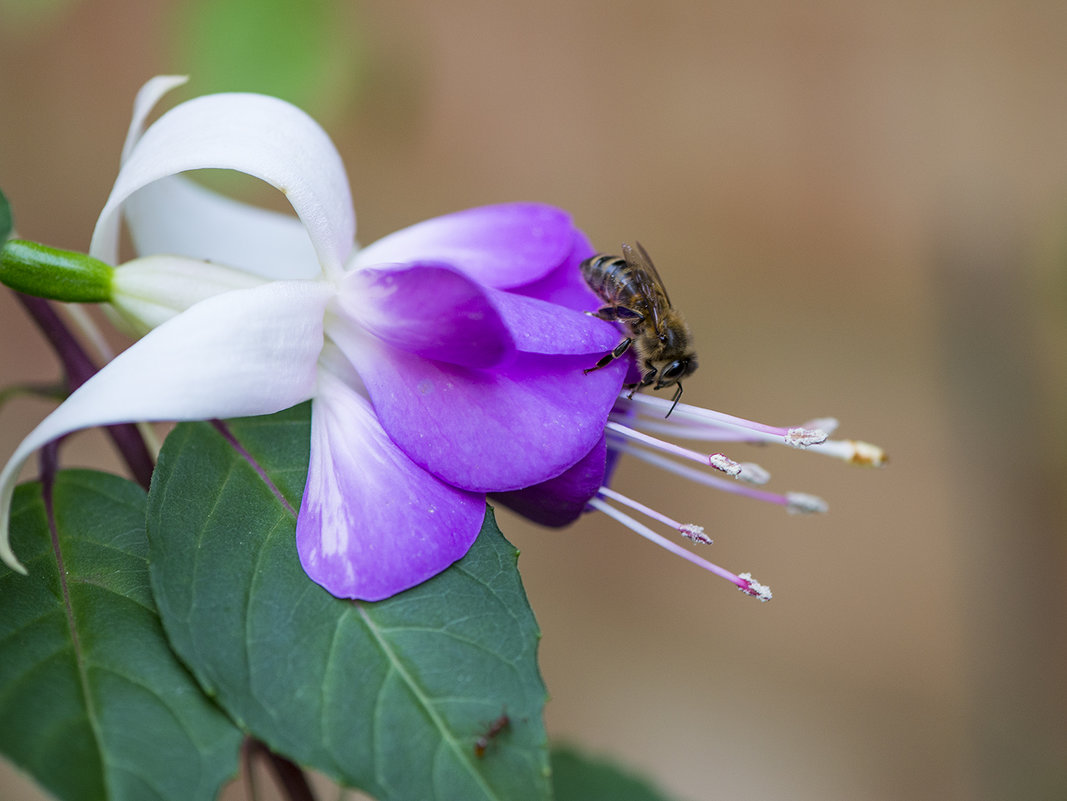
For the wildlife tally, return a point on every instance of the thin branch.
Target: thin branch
(79, 369)
(131, 446)
(291, 779)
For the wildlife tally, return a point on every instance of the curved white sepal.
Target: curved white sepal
(147, 97)
(177, 215)
(106, 245)
(246, 352)
(258, 135)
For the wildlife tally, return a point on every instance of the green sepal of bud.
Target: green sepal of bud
(45, 272)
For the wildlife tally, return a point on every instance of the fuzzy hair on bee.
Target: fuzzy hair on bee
(634, 295)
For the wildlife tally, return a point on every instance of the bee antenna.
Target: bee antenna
(674, 401)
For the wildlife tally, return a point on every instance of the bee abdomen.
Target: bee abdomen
(606, 275)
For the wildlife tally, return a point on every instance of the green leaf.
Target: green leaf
(392, 697)
(576, 777)
(311, 54)
(93, 702)
(7, 222)
(26, 18)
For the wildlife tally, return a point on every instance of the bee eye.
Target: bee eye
(675, 369)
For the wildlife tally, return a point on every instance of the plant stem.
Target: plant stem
(79, 369)
(291, 779)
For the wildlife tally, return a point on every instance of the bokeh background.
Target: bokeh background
(862, 209)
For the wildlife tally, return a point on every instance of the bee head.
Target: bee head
(674, 371)
(672, 374)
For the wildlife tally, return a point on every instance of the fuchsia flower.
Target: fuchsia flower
(439, 361)
(444, 362)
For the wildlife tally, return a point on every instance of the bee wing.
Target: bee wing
(646, 264)
(646, 276)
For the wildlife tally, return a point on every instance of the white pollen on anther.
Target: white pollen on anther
(801, 503)
(724, 463)
(752, 473)
(694, 533)
(804, 437)
(755, 589)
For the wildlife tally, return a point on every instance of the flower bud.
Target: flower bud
(45, 272)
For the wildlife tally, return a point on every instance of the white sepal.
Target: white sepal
(246, 352)
(261, 136)
(147, 292)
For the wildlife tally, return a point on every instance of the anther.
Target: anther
(694, 533)
(754, 588)
(805, 437)
(864, 453)
(724, 463)
(801, 503)
(752, 473)
(854, 452)
(827, 424)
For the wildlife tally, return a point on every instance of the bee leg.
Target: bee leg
(611, 356)
(617, 314)
(645, 381)
(674, 401)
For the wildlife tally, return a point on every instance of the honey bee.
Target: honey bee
(635, 296)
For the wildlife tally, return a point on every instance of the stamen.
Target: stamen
(853, 452)
(744, 583)
(752, 473)
(801, 503)
(755, 589)
(695, 534)
(724, 463)
(716, 460)
(700, 477)
(827, 424)
(704, 433)
(688, 530)
(712, 425)
(805, 437)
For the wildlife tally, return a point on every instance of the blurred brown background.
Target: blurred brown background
(864, 208)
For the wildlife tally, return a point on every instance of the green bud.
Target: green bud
(46, 272)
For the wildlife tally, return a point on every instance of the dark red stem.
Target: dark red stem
(79, 369)
(291, 779)
(130, 444)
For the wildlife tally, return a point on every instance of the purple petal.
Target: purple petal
(488, 430)
(564, 286)
(560, 500)
(542, 327)
(373, 523)
(499, 246)
(429, 310)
